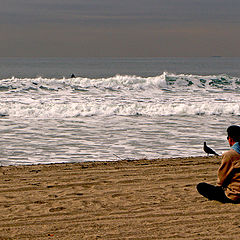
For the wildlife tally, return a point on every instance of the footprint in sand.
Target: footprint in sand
(57, 209)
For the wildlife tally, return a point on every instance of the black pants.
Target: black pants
(213, 193)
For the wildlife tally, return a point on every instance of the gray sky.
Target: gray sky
(119, 28)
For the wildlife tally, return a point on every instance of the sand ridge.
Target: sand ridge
(142, 199)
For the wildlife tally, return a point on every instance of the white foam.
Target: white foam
(163, 95)
(119, 82)
(72, 110)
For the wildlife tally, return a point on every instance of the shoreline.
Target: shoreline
(128, 199)
(104, 162)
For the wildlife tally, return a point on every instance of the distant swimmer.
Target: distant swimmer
(72, 76)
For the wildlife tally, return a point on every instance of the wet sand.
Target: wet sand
(144, 199)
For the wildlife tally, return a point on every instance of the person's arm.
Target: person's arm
(224, 171)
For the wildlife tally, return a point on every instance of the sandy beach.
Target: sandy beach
(144, 199)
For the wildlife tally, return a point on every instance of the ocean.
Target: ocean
(115, 108)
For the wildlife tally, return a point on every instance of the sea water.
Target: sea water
(115, 108)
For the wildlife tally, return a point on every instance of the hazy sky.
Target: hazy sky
(120, 28)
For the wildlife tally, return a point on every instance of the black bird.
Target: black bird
(208, 150)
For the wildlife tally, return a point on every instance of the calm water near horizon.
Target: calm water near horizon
(130, 107)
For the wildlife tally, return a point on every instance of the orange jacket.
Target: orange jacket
(229, 174)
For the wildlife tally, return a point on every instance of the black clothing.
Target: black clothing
(213, 193)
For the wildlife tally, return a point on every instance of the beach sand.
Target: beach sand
(144, 199)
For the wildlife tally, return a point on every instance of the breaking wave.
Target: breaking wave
(120, 82)
(164, 95)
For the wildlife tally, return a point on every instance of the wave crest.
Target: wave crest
(122, 82)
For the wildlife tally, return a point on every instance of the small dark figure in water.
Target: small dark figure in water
(72, 76)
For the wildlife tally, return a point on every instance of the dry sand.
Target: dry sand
(145, 199)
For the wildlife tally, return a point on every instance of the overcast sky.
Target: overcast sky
(119, 28)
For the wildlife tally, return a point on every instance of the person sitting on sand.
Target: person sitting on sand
(228, 189)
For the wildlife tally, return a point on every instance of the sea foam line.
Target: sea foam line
(73, 110)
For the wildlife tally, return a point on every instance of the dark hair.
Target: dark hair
(234, 132)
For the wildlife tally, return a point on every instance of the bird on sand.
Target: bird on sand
(208, 150)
